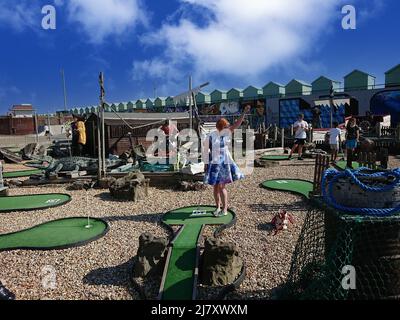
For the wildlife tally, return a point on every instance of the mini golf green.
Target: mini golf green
(33, 202)
(342, 165)
(275, 157)
(21, 174)
(179, 276)
(297, 186)
(58, 234)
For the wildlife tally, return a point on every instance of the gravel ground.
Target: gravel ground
(101, 270)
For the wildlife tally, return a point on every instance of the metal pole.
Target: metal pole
(190, 103)
(36, 128)
(103, 133)
(65, 89)
(99, 145)
(331, 96)
(49, 124)
(283, 138)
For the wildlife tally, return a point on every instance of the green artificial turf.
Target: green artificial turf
(297, 186)
(342, 165)
(56, 234)
(275, 157)
(21, 174)
(32, 202)
(179, 280)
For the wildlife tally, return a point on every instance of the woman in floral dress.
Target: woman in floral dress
(221, 168)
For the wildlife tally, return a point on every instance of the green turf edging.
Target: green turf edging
(341, 165)
(275, 158)
(41, 207)
(294, 191)
(184, 250)
(20, 174)
(74, 244)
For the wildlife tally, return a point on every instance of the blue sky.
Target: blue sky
(142, 45)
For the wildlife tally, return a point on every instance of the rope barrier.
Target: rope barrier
(334, 175)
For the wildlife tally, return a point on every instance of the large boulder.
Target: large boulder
(151, 256)
(221, 263)
(133, 187)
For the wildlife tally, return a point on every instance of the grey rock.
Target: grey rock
(151, 256)
(221, 263)
(133, 187)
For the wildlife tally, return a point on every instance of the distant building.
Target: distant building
(359, 80)
(22, 111)
(392, 77)
(298, 87)
(274, 89)
(323, 85)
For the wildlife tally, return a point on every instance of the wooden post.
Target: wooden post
(379, 129)
(321, 164)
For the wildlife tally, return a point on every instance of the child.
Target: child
(335, 141)
(301, 128)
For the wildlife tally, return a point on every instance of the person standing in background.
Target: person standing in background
(301, 127)
(78, 136)
(352, 139)
(335, 141)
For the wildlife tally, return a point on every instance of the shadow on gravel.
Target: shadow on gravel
(150, 217)
(277, 293)
(298, 206)
(113, 276)
(266, 227)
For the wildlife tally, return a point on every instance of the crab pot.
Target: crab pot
(349, 194)
(372, 246)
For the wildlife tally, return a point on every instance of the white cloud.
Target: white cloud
(155, 68)
(101, 19)
(21, 16)
(244, 38)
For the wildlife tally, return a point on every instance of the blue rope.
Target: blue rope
(334, 175)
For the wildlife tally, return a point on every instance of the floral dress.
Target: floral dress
(221, 167)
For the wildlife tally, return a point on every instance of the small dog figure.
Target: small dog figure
(281, 221)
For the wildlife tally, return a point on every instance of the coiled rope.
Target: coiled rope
(334, 175)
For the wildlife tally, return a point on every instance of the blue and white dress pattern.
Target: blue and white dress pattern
(221, 167)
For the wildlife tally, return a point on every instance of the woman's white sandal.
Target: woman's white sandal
(217, 213)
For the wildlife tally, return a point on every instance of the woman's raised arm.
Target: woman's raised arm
(239, 122)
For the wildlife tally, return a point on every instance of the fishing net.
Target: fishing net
(337, 250)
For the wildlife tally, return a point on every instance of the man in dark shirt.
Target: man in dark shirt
(352, 139)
